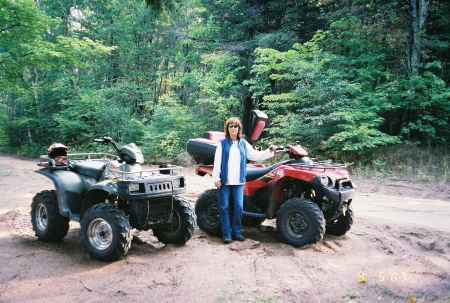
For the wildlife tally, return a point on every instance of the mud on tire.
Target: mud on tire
(183, 226)
(48, 224)
(300, 222)
(207, 211)
(105, 232)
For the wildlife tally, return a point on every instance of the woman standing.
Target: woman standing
(229, 176)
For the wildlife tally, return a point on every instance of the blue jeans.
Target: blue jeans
(225, 193)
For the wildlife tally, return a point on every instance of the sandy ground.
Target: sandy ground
(398, 250)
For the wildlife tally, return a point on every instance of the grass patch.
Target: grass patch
(406, 162)
(242, 292)
(3, 172)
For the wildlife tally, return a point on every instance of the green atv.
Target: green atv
(109, 195)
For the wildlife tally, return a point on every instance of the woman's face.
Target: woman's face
(233, 128)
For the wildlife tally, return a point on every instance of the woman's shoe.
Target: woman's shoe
(239, 238)
(227, 241)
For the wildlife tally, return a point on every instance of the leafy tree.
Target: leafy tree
(30, 55)
(312, 101)
(170, 128)
(385, 48)
(338, 75)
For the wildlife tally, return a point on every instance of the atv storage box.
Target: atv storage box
(202, 150)
(214, 136)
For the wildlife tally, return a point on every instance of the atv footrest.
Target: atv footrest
(256, 215)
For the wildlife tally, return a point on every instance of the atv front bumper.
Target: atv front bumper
(343, 191)
(147, 188)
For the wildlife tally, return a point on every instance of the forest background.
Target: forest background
(364, 81)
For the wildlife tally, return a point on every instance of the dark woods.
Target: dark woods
(342, 77)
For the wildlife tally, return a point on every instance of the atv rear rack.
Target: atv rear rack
(82, 160)
(46, 161)
(320, 165)
(103, 157)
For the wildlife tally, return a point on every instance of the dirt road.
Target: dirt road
(398, 250)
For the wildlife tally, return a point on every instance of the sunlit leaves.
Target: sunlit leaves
(318, 105)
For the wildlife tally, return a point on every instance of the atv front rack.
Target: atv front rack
(119, 175)
(314, 163)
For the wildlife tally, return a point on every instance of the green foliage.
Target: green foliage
(341, 77)
(22, 44)
(166, 135)
(424, 103)
(312, 101)
(91, 115)
(405, 162)
(220, 87)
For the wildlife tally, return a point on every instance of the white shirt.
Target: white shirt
(234, 161)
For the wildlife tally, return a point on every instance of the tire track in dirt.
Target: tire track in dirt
(397, 260)
(19, 182)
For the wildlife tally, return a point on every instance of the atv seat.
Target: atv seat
(92, 169)
(253, 173)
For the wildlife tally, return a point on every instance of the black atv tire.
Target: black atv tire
(183, 225)
(300, 222)
(105, 232)
(341, 225)
(207, 211)
(48, 224)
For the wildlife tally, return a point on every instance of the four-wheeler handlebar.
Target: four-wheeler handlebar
(108, 140)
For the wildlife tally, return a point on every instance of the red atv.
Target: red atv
(306, 196)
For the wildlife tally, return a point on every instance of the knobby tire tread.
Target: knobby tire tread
(57, 225)
(187, 224)
(316, 221)
(121, 229)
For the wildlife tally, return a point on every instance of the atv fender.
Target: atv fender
(99, 193)
(69, 190)
(276, 190)
(107, 186)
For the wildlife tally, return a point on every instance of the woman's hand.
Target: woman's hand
(218, 184)
(272, 148)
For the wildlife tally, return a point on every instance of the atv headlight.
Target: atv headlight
(133, 187)
(327, 182)
(177, 183)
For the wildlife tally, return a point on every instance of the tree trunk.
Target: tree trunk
(419, 12)
(34, 82)
(247, 114)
